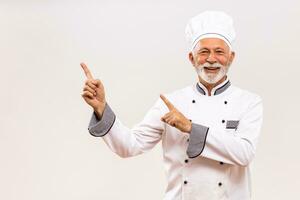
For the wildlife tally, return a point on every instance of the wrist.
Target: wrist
(100, 110)
(189, 127)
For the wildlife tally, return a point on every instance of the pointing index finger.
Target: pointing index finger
(86, 71)
(167, 102)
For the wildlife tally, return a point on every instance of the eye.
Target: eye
(203, 52)
(220, 52)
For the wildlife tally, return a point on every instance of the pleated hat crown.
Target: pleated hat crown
(210, 24)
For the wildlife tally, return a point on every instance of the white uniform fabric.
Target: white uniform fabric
(222, 170)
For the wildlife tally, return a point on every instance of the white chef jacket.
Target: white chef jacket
(210, 163)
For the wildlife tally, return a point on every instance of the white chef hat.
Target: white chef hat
(210, 24)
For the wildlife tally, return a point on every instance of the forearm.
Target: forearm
(237, 147)
(229, 149)
(218, 145)
(124, 141)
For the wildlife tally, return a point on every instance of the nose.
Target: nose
(211, 58)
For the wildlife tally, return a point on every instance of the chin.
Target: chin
(212, 79)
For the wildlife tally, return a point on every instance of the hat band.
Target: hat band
(211, 35)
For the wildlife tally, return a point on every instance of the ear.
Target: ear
(191, 58)
(231, 58)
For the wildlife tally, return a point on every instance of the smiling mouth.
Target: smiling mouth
(212, 69)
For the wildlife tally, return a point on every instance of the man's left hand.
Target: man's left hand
(175, 118)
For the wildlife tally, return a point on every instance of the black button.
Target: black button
(223, 121)
(221, 163)
(225, 102)
(193, 101)
(185, 182)
(188, 140)
(220, 184)
(186, 160)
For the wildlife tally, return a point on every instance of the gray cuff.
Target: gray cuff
(100, 127)
(197, 140)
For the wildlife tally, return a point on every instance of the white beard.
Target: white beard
(211, 78)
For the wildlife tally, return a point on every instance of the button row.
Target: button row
(194, 101)
(219, 184)
(186, 160)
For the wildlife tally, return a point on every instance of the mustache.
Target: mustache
(214, 65)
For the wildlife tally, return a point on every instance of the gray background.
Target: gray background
(138, 50)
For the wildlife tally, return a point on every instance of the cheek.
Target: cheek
(223, 60)
(200, 60)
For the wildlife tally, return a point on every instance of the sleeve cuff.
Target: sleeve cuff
(197, 140)
(100, 127)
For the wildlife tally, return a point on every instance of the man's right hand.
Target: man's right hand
(93, 92)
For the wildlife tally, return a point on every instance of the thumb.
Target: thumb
(96, 82)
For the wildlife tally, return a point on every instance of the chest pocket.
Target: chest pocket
(231, 126)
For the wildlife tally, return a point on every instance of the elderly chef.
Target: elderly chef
(209, 130)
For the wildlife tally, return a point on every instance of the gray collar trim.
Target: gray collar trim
(200, 89)
(222, 88)
(219, 90)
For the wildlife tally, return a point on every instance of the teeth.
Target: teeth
(212, 68)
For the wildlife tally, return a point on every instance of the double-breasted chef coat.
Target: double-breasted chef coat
(210, 163)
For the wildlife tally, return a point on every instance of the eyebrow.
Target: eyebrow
(217, 48)
(204, 48)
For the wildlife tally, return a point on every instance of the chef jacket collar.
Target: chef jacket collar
(216, 90)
